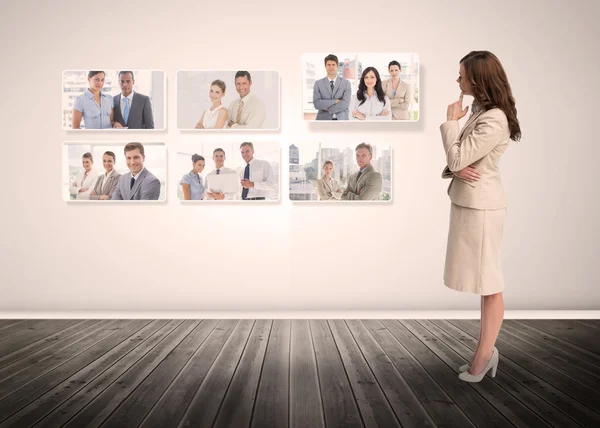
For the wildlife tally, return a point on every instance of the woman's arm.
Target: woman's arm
(222, 118)
(199, 125)
(76, 120)
(187, 194)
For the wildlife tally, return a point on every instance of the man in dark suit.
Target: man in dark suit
(131, 109)
(332, 93)
(140, 184)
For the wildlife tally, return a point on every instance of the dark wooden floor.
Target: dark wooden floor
(299, 373)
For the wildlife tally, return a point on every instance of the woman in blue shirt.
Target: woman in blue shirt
(191, 183)
(94, 106)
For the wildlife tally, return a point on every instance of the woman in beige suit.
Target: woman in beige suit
(398, 92)
(328, 188)
(478, 208)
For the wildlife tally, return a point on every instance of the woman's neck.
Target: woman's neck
(370, 91)
(216, 103)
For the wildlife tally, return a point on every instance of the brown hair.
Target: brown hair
(218, 150)
(327, 162)
(88, 155)
(220, 84)
(490, 86)
(196, 157)
(332, 57)
(109, 153)
(132, 146)
(364, 146)
(247, 144)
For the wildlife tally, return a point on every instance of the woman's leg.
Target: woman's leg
(492, 314)
(480, 331)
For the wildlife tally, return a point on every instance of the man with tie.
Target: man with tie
(248, 111)
(257, 178)
(219, 159)
(131, 109)
(332, 94)
(139, 184)
(366, 184)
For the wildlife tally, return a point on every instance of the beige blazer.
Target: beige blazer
(370, 183)
(111, 183)
(329, 190)
(400, 101)
(481, 142)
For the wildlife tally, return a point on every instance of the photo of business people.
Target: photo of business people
(337, 172)
(360, 87)
(114, 99)
(228, 100)
(114, 171)
(241, 171)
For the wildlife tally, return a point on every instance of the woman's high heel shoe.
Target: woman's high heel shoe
(466, 367)
(492, 364)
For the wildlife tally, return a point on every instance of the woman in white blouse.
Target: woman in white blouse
(86, 180)
(215, 117)
(370, 101)
(328, 188)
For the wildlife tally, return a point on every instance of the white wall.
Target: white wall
(388, 256)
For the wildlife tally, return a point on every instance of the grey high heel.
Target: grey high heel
(492, 364)
(466, 367)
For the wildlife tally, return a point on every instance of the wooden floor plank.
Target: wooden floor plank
(306, 406)
(555, 373)
(203, 408)
(560, 343)
(568, 330)
(339, 403)
(104, 404)
(238, 404)
(372, 402)
(60, 403)
(439, 405)
(27, 370)
(512, 407)
(271, 409)
(4, 324)
(22, 338)
(132, 411)
(171, 407)
(13, 368)
(539, 379)
(114, 334)
(590, 323)
(561, 409)
(404, 404)
(60, 337)
(573, 365)
(477, 409)
(22, 326)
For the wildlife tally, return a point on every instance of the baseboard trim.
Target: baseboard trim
(324, 314)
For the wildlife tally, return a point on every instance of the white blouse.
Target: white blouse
(371, 108)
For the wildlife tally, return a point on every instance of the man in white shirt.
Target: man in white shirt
(248, 111)
(257, 178)
(219, 159)
(331, 94)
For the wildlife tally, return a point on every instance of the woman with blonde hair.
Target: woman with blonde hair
(478, 209)
(328, 188)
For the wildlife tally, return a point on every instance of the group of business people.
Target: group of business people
(245, 112)
(374, 100)
(363, 185)
(254, 182)
(138, 184)
(100, 110)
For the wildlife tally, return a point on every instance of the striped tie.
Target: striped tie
(238, 118)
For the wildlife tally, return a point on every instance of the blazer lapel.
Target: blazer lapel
(138, 183)
(469, 122)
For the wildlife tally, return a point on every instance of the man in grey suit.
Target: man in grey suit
(106, 183)
(131, 109)
(366, 184)
(331, 94)
(140, 184)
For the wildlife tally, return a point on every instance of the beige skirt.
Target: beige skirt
(473, 261)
